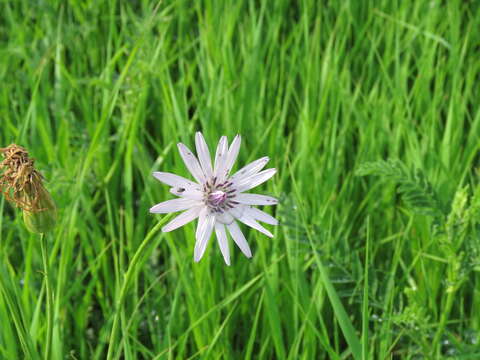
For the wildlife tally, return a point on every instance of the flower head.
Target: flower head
(216, 198)
(22, 185)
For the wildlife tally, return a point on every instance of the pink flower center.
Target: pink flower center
(217, 197)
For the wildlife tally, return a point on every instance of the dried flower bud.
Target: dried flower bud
(22, 185)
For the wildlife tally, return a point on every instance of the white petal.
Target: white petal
(260, 215)
(237, 211)
(224, 218)
(204, 231)
(200, 227)
(247, 220)
(232, 154)
(174, 180)
(249, 169)
(220, 159)
(203, 155)
(187, 193)
(173, 206)
(239, 239)
(201, 220)
(255, 199)
(191, 163)
(182, 219)
(222, 241)
(255, 180)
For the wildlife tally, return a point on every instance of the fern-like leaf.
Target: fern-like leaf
(414, 187)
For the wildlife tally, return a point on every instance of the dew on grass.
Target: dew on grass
(471, 337)
(452, 351)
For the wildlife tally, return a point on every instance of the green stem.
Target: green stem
(444, 317)
(132, 267)
(49, 295)
(13, 302)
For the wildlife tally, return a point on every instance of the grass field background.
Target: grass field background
(370, 113)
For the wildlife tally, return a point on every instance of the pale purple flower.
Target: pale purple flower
(216, 198)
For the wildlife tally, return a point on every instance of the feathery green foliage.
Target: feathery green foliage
(416, 190)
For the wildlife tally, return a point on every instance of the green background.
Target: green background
(374, 267)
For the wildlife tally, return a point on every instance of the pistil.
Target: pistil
(217, 198)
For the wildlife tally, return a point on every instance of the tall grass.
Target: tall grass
(101, 91)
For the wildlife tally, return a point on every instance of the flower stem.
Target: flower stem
(49, 295)
(132, 267)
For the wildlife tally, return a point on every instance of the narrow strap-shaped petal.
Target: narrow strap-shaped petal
(260, 215)
(175, 180)
(245, 217)
(173, 206)
(200, 228)
(247, 220)
(224, 218)
(203, 155)
(250, 169)
(182, 219)
(239, 238)
(255, 199)
(220, 159)
(255, 180)
(203, 235)
(187, 193)
(232, 155)
(191, 163)
(223, 241)
(201, 221)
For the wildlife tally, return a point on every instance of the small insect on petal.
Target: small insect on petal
(187, 193)
(174, 180)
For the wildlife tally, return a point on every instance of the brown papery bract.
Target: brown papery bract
(22, 185)
(20, 182)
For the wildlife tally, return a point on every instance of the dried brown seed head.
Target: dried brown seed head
(22, 185)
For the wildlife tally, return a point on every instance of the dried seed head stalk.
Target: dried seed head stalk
(20, 182)
(22, 185)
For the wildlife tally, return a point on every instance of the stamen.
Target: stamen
(217, 198)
